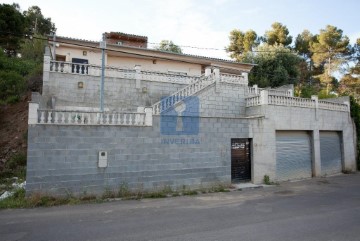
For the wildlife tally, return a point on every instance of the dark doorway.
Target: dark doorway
(240, 160)
(79, 66)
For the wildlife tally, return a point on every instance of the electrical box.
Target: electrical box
(103, 162)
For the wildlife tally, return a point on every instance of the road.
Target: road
(316, 209)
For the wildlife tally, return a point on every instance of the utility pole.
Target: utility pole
(103, 47)
(54, 45)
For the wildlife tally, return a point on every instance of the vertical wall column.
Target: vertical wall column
(33, 113)
(208, 71)
(316, 157)
(46, 71)
(138, 76)
(217, 79)
(316, 99)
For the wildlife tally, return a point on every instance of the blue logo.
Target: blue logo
(181, 118)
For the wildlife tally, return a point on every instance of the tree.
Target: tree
(356, 55)
(36, 23)
(11, 28)
(241, 43)
(169, 46)
(276, 66)
(330, 49)
(302, 43)
(279, 34)
(33, 49)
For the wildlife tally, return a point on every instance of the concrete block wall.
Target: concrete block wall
(65, 158)
(120, 94)
(263, 132)
(228, 100)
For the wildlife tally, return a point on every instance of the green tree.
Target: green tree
(279, 34)
(330, 50)
(356, 55)
(302, 43)
(276, 66)
(12, 25)
(169, 46)
(241, 43)
(36, 22)
(33, 49)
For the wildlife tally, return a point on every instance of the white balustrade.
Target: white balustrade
(178, 96)
(253, 101)
(280, 92)
(233, 79)
(296, 102)
(332, 106)
(59, 117)
(95, 70)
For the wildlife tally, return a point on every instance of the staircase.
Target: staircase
(182, 94)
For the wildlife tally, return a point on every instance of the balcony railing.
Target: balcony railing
(59, 117)
(267, 98)
(95, 70)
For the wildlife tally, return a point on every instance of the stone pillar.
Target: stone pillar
(246, 77)
(291, 92)
(256, 89)
(316, 99)
(316, 164)
(217, 79)
(148, 116)
(138, 76)
(208, 71)
(33, 113)
(264, 97)
(46, 71)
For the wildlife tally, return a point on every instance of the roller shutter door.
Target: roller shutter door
(293, 155)
(330, 151)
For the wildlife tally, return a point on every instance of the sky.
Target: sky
(200, 23)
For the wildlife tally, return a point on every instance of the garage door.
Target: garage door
(330, 151)
(293, 155)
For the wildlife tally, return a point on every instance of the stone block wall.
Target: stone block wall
(65, 158)
(120, 94)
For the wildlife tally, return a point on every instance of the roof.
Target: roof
(121, 34)
(154, 53)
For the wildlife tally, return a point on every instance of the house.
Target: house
(172, 120)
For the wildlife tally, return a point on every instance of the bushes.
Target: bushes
(355, 114)
(12, 85)
(15, 73)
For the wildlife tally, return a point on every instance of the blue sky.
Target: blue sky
(202, 23)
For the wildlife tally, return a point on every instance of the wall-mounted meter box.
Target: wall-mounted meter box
(103, 162)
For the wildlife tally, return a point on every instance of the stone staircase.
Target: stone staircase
(182, 94)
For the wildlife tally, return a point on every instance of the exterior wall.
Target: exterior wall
(64, 158)
(92, 55)
(120, 94)
(94, 58)
(228, 100)
(159, 66)
(263, 132)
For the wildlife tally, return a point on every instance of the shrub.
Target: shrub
(12, 86)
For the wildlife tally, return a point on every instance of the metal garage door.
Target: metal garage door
(330, 151)
(293, 155)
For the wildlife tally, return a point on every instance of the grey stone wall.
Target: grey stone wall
(120, 94)
(226, 100)
(64, 158)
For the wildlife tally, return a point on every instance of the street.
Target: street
(315, 209)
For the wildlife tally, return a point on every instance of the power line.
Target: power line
(187, 46)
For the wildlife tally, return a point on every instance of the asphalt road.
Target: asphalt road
(316, 209)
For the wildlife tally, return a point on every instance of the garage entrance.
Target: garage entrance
(240, 160)
(330, 151)
(293, 155)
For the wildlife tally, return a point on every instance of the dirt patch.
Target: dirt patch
(13, 129)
